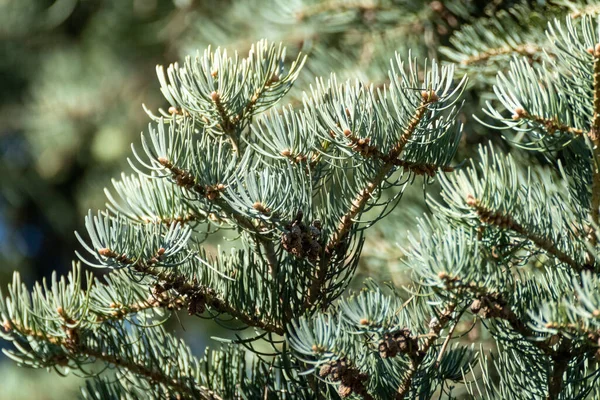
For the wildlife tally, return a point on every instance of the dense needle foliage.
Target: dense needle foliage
(502, 298)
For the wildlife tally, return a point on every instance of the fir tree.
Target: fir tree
(508, 251)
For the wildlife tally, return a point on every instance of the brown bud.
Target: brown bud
(325, 370)
(286, 152)
(344, 391)
(519, 113)
(6, 325)
(106, 252)
(160, 251)
(214, 73)
(164, 162)
(471, 201)
(596, 313)
(553, 341)
(443, 275)
(364, 321)
(216, 97)
(476, 306)
(347, 132)
(173, 110)
(429, 96)
(260, 207)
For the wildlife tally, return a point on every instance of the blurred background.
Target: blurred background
(75, 73)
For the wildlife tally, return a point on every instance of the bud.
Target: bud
(106, 252)
(471, 201)
(215, 97)
(429, 96)
(519, 113)
(286, 152)
(325, 370)
(344, 391)
(476, 306)
(260, 207)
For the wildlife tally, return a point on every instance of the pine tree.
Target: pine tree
(507, 255)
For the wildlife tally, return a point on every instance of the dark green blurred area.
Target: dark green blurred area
(73, 77)
(75, 73)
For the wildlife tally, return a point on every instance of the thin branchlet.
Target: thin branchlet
(551, 125)
(505, 221)
(76, 348)
(594, 135)
(417, 357)
(347, 220)
(527, 49)
(193, 295)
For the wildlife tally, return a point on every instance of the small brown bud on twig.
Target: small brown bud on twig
(216, 97)
(553, 341)
(106, 252)
(6, 325)
(274, 79)
(286, 152)
(344, 391)
(519, 113)
(364, 321)
(325, 370)
(429, 96)
(173, 110)
(476, 306)
(260, 207)
(163, 161)
(471, 201)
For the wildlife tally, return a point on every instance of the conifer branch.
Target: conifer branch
(187, 180)
(594, 136)
(193, 296)
(560, 363)
(75, 348)
(228, 127)
(505, 221)
(416, 358)
(551, 125)
(347, 220)
(527, 49)
(123, 310)
(364, 148)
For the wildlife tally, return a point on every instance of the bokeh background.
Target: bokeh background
(75, 73)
